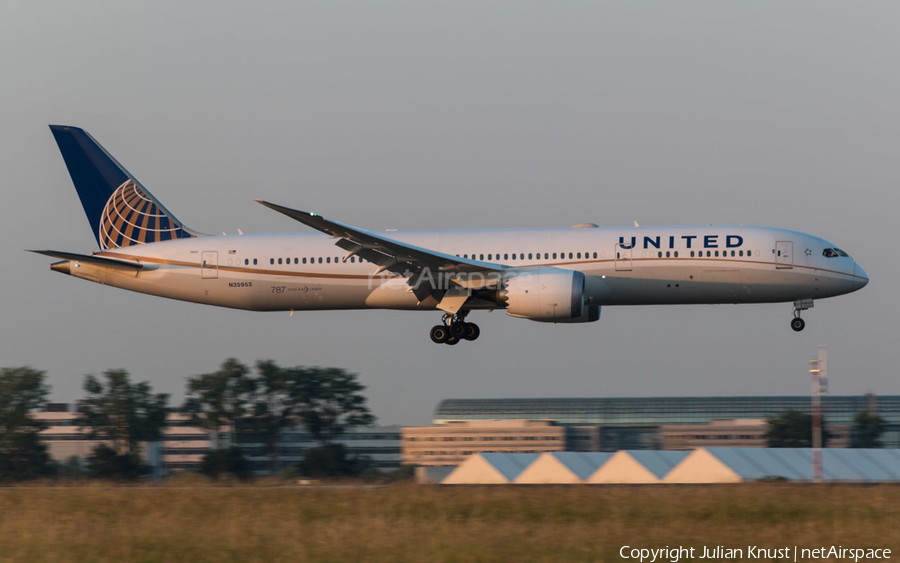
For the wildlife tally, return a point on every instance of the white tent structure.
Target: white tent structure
(739, 465)
(562, 467)
(489, 469)
(637, 467)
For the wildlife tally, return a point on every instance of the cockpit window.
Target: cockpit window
(829, 253)
(841, 253)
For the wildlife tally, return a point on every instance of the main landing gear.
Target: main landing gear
(453, 329)
(797, 323)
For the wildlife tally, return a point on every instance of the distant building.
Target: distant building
(380, 445)
(735, 433)
(451, 443)
(643, 423)
(183, 446)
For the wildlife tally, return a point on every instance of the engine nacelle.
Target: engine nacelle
(591, 314)
(545, 294)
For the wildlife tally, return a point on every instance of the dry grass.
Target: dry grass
(430, 523)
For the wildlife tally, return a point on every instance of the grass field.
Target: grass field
(430, 523)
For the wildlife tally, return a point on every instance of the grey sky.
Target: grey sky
(458, 114)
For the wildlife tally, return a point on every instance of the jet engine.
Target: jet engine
(545, 294)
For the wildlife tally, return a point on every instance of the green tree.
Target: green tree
(277, 394)
(867, 430)
(105, 463)
(124, 413)
(22, 455)
(217, 463)
(71, 469)
(324, 400)
(334, 402)
(331, 460)
(792, 429)
(216, 401)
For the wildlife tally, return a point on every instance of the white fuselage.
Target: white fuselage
(622, 266)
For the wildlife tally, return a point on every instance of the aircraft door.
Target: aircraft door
(623, 258)
(784, 254)
(209, 265)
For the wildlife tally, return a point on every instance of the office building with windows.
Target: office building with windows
(645, 422)
(379, 445)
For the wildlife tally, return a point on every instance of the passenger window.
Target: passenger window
(506, 256)
(279, 261)
(717, 253)
(271, 260)
(529, 256)
(692, 253)
(522, 256)
(246, 261)
(732, 252)
(740, 253)
(254, 261)
(481, 256)
(296, 260)
(579, 255)
(659, 254)
(779, 253)
(708, 253)
(595, 255)
(320, 259)
(489, 256)
(570, 255)
(304, 260)
(676, 254)
(554, 256)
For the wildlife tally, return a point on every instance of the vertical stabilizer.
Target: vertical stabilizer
(121, 212)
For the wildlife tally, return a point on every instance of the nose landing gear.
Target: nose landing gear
(453, 329)
(798, 324)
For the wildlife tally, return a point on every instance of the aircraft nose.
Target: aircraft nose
(861, 278)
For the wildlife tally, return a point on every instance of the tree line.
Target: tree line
(235, 404)
(793, 429)
(238, 405)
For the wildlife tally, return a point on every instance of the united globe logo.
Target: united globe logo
(130, 217)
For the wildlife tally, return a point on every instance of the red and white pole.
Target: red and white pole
(819, 373)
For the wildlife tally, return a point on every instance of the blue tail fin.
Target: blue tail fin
(121, 212)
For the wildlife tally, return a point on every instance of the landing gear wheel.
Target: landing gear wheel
(452, 340)
(797, 324)
(439, 334)
(459, 329)
(472, 331)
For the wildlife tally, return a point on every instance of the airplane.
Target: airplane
(555, 275)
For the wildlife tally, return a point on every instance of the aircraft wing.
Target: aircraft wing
(398, 257)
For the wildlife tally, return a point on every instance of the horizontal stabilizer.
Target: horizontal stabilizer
(87, 259)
